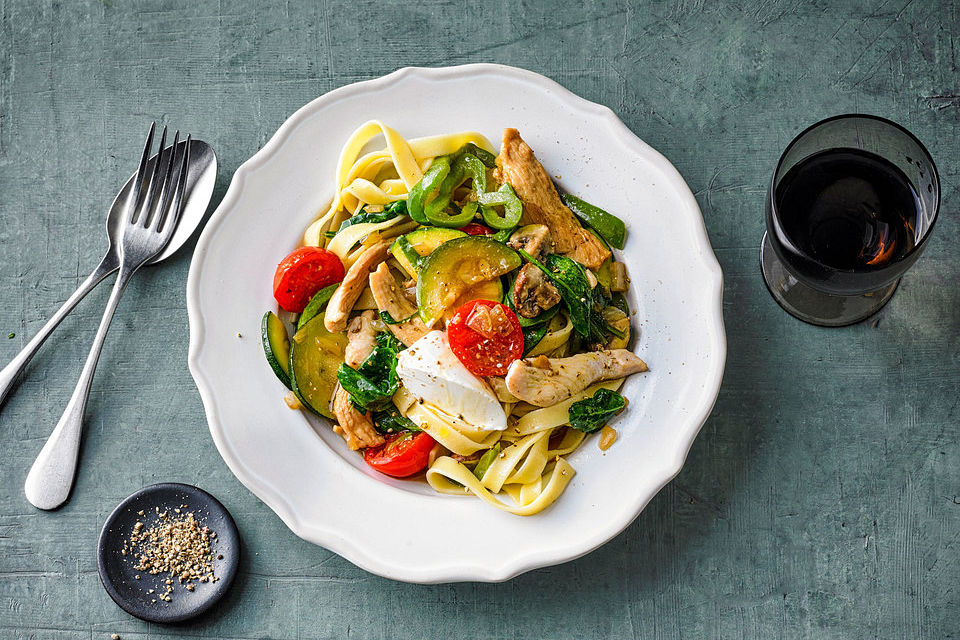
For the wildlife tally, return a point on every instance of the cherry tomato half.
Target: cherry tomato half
(402, 455)
(476, 229)
(486, 337)
(302, 273)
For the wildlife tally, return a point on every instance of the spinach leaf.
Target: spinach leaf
(389, 212)
(390, 341)
(390, 420)
(532, 337)
(389, 319)
(590, 414)
(619, 301)
(372, 385)
(583, 303)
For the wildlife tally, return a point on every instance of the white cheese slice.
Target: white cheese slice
(433, 374)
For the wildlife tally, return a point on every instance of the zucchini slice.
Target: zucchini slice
(423, 241)
(315, 305)
(315, 355)
(454, 267)
(276, 346)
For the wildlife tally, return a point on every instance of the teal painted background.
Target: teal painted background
(821, 499)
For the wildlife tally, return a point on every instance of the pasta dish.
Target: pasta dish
(454, 315)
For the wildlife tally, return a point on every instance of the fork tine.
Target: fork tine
(168, 186)
(153, 188)
(178, 194)
(134, 203)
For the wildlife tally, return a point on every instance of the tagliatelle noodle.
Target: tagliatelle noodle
(456, 435)
(446, 475)
(355, 174)
(344, 241)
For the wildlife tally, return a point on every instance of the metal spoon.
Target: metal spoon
(201, 175)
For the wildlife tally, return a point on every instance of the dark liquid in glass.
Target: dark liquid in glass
(845, 220)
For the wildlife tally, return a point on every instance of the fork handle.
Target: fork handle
(51, 476)
(10, 372)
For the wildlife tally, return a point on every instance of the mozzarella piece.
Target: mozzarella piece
(433, 374)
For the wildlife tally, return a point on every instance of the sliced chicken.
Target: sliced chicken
(346, 295)
(517, 165)
(390, 298)
(354, 427)
(546, 381)
(533, 293)
(360, 338)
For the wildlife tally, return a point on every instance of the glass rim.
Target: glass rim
(935, 174)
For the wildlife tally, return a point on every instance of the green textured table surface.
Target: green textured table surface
(821, 499)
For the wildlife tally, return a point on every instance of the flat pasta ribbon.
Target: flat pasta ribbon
(357, 176)
(446, 475)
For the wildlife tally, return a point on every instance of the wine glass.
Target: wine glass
(850, 207)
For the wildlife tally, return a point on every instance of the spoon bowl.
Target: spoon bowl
(201, 177)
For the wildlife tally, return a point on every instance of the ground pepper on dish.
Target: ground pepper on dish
(176, 544)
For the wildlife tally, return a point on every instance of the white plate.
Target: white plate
(401, 529)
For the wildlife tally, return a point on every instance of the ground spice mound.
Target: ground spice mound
(176, 544)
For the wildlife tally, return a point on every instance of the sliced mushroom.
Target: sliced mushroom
(533, 293)
(533, 238)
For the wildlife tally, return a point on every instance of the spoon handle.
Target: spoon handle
(10, 372)
(51, 476)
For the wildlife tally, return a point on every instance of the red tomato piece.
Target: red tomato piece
(402, 455)
(476, 229)
(486, 337)
(304, 272)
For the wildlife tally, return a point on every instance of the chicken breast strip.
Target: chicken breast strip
(354, 427)
(390, 298)
(346, 295)
(546, 381)
(517, 165)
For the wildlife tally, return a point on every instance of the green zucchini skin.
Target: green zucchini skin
(276, 346)
(315, 355)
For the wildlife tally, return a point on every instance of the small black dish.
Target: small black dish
(117, 571)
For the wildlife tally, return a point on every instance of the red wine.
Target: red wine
(848, 209)
(843, 213)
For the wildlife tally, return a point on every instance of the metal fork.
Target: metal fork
(147, 227)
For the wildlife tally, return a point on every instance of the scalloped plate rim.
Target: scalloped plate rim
(327, 536)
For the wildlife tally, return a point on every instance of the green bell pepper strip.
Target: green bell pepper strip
(429, 183)
(607, 225)
(486, 460)
(450, 216)
(504, 235)
(469, 166)
(484, 156)
(506, 197)
(438, 210)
